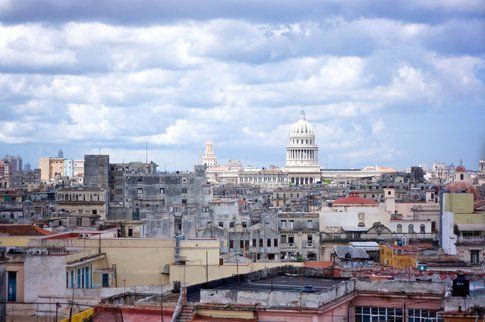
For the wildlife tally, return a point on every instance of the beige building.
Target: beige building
(299, 235)
(84, 206)
(50, 168)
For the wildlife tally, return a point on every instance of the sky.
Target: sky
(395, 83)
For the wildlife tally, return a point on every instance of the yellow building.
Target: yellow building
(50, 168)
(129, 261)
(397, 256)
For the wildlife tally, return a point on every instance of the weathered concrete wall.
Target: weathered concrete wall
(409, 287)
(278, 298)
(45, 275)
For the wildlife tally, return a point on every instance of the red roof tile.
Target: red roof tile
(354, 200)
(23, 230)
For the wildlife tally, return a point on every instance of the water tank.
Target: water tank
(461, 286)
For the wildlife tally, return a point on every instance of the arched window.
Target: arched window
(422, 228)
(411, 228)
(462, 176)
(399, 228)
(361, 224)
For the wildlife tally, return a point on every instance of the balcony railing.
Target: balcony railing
(299, 226)
(471, 239)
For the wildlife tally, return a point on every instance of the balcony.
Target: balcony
(299, 226)
(285, 246)
(307, 245)
(471, 240)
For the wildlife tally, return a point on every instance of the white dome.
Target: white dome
(302, 127)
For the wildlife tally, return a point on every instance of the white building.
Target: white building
(302, 154)
(68, 168)
(272, 177)
(209, 158)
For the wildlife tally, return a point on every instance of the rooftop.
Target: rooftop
(23, 230)
(354, 200)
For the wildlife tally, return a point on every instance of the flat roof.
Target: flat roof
(284, 282)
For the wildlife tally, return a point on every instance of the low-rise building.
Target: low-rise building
(84, 206)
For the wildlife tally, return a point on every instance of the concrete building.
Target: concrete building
(463, 228)
(299, 236)
(50, 168)
(96, 171)
(15, 162)
(481, 172)
(85, 207)
(68, 168)
(305, 294)
(267, 178)
(302, 154)
(79, 170)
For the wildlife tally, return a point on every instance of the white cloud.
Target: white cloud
(236, 82)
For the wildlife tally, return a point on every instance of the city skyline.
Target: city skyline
(381, 86)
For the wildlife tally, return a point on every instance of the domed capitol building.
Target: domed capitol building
(302, 154)
(301, 167)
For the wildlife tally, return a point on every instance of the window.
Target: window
(411, 228)
(291, 239)
(417, 315)
(231, 244)
(254, 242)
(275, 242)
(475, 256)
(309, 239)
(162, 190)
(241, 244)
(184, 190)
(283, 239)
(79, 221)
(261, 242)
(399, 228)
(268, 242)
(221, 224)
(231, 224)
(130, 232)
(283, 224)
(422, 228)
(290, 223)
(368, 314)
(184, 201)
(244, 224)
(310, 224)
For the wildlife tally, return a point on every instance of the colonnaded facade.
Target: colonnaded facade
(302, 154)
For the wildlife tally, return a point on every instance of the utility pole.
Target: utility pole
(161, 300)
(207, 266)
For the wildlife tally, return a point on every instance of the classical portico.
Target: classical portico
(302, 154)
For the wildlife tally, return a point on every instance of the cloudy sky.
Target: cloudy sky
(383, 82)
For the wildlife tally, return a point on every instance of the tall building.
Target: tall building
(96, 171)
(60, 154)
(68, 168)
(15, 163)
(209, 158)
(50, 168)
(302, 153)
